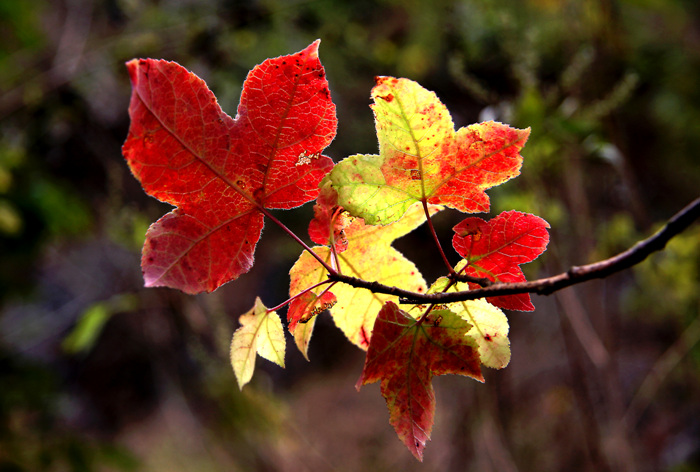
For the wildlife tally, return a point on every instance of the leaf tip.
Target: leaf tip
(151, 280)
(418, 451)
(131, 64)
(241, 383)
(132, 69)
(312, 49)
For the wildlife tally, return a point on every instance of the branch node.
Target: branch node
(481, 281)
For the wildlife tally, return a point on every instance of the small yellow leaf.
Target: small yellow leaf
(489, 323)
(260, 333)
(302, 336)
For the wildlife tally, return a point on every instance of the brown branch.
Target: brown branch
(577, 274)
(483, 281)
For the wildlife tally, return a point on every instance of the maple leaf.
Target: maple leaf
(302, 336)
(261, 332)
(422, 158)
(219, 172)
(495, 250)
(405, 354)
(489, 325)
(369, 256)
(307, 305)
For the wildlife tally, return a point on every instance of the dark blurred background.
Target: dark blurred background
(100, 374)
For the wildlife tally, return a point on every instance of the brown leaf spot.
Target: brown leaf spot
(415, 174)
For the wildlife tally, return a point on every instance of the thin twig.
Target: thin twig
(577, 274)
(450, 269)
(308, 289)
(289, 232)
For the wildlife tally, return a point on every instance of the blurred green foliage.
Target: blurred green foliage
(669, 282)
(609, 89)
(90, 324)
(30, 431)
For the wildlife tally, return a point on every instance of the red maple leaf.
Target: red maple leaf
(307, 305)
(405, 354)
(495, 250)
(222, 173)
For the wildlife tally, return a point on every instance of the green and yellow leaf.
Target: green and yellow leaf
(422, 158)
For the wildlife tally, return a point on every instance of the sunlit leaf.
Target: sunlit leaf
(495, 249)
(422, 158)
(404, 354)
(220, 172)
(261, 332)
(489, 325)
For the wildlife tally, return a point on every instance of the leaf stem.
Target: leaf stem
(331, 238)
(296, 238)
(334, 254)
(450, 269)
(308, 289)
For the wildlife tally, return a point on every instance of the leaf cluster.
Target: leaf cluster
(224, 174)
